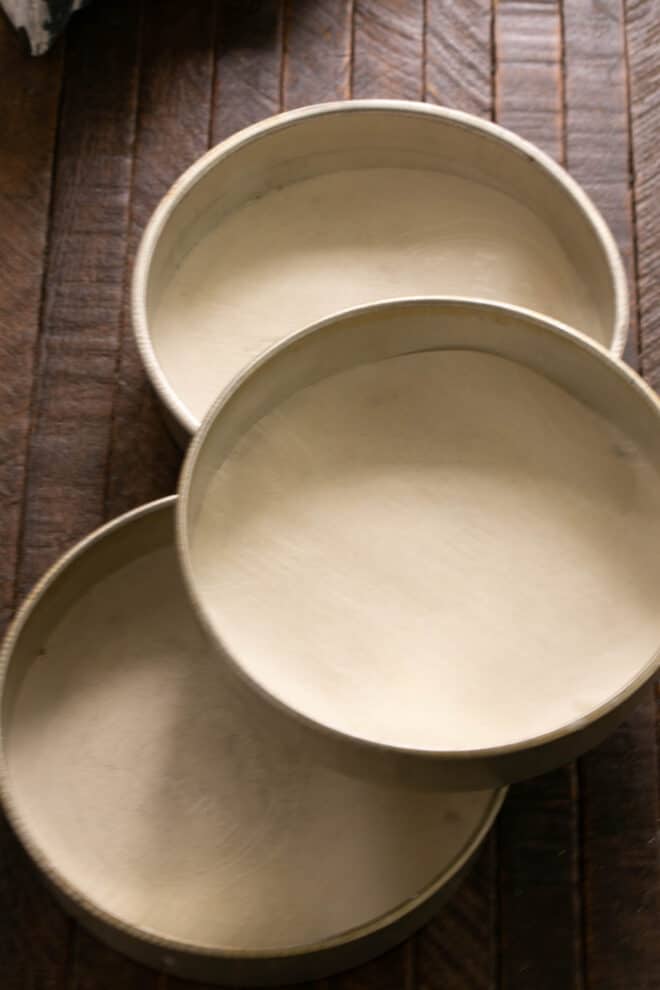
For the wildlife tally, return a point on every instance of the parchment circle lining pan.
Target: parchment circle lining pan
(331, 206)
(165, 815)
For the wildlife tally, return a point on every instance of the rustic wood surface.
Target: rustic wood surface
(565, 894)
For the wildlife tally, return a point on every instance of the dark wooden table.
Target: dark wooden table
(565, 896)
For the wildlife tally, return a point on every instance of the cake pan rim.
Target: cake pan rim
(83, 903)
(546, 324)
(174, 405)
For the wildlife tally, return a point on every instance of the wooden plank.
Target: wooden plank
(29, 100)
(388, 49)
(173, 129)
(643, 41)
(96, 967)
(175, 983)
(458, 70)
(618, 780)
(597, 143)
(620, 816)
(391, 971)
(539, 880)
(317, 51)
(248, 64)
(540, 920)
(643, 35)
(528, 90)
(458, 950)
(34, 935)
(87, 249)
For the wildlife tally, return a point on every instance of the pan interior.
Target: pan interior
(155, 792)
(297, 253)
(440, 551)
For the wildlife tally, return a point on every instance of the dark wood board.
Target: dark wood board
(598, 148)
(458, 55)
(87, 250)
(248, 64)
(619, 780)
(642, 22)
(564, 895)
(34, 934)
(388, 49)
(529, 86)
(317, 47)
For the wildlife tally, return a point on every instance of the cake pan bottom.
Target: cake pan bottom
(168, 818)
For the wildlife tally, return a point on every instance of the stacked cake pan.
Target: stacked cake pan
(255, 732)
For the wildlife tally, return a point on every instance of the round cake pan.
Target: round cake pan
(338, 205)
(428, 529)
(164, 813)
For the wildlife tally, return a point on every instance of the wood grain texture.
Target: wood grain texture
(620, 851)
(173, 128)
(638, 943)
(458, 950)
(642, 26)
(619, 808)
(82, 304)
(528, 92)
(248, 64)
(458, 57)
(643, 43)
(96, 967)
(175, 983)
(597, 145)
(34, 934)
(388, 49)
(391, 971)
(28, 109)
(540, 919)
(317, 51)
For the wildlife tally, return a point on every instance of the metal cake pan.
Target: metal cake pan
(426, 532)
(342, 204)
(164, 813)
